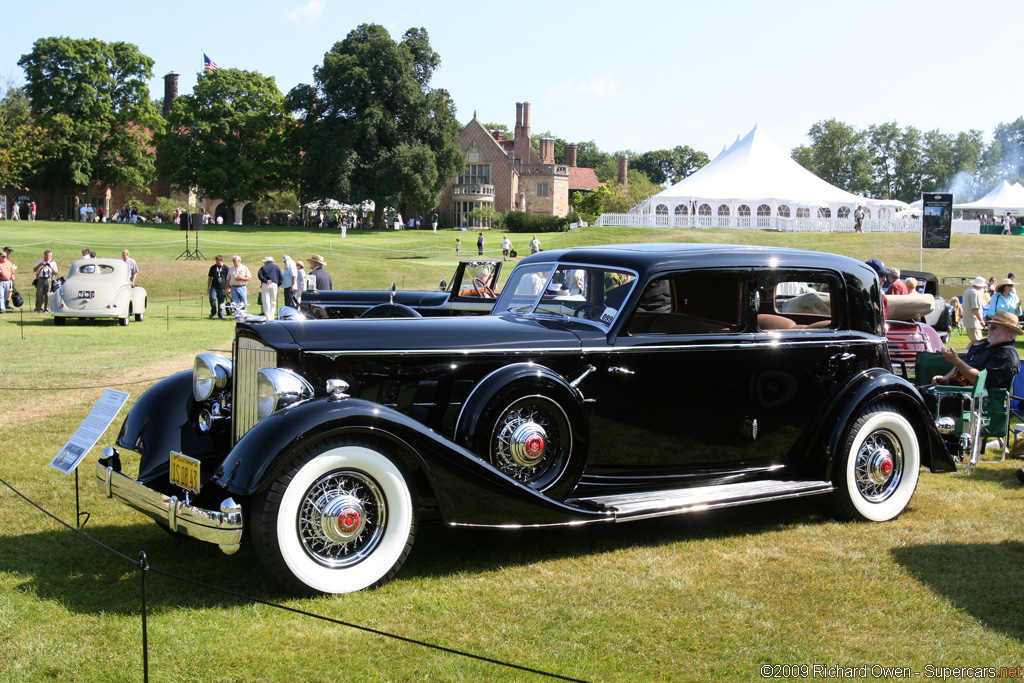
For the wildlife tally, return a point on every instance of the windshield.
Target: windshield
(478, 280)
(567, 290)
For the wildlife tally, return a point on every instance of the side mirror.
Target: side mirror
(443, 286)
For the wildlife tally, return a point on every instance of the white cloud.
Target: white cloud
(309, 13)
(593, 88)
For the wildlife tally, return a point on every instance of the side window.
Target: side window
(796, 302)
(693, 303)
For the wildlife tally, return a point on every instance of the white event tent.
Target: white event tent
(1003, 198)
(754, 183)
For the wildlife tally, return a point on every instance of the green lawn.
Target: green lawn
(710, 596)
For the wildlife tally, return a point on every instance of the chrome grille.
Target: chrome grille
(251, 356)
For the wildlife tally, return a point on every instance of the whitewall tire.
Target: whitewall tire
(340, 518)
(879, 467)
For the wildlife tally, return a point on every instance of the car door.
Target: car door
(674, 396)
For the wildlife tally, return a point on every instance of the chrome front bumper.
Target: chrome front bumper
(223, 528)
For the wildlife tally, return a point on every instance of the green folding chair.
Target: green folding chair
(970, 418)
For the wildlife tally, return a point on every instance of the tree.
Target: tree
(20, 139)
(837, 154)
(896, 160)
(230, 137)
(947, 157)
(669, 165)
(373, 128)
(92, 100)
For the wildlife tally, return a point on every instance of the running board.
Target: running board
(695, 498)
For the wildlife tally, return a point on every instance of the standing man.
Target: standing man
(433, 222)
(480, 244)
(858, 219)
(506, 246)
(133, 267)
(534, 245)
(216, 281)
(45, 270)
(15, 211)
(1008, 224)
(270, 282)
(14, 271)
(238, 281)
(32, 211)
(974, 309)
(289, 274)
(86, 252)
(323, 280)
(6, 282)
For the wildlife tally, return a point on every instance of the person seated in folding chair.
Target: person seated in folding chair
(997, 354)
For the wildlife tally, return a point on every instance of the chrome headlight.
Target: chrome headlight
(209, 374)
(278, 388)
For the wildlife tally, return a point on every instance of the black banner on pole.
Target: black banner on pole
(937, 223)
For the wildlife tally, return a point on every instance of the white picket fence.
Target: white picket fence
(776, 223)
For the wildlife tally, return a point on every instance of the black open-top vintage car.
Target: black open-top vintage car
(609, 384)
(471, 291)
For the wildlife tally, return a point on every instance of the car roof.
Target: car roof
(659, 256)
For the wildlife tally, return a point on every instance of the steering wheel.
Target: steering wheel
(482, 290)
(588, 312)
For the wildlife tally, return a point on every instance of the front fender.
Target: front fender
(467, 489)
(164, 420)
(875, 385)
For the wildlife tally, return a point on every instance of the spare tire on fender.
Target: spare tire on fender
(527, 422)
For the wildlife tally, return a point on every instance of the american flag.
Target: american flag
(209, 64)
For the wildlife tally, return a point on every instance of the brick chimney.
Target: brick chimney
(570, 154)
(623, 170)
(170, 92)
(547, 151)
(522, 134)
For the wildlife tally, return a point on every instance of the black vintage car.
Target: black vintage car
(608, 384)
(471, 291)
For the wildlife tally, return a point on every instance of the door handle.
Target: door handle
(620, 371)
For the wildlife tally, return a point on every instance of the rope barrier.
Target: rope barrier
(144, 566)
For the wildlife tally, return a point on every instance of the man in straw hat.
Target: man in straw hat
(974, 309)
(323, 280)
(997, 354)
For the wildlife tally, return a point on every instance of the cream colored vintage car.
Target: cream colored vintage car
(98, 288)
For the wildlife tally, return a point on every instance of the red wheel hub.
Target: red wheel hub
(348, 520)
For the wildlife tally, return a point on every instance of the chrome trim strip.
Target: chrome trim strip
(223, 527)
(608, 349)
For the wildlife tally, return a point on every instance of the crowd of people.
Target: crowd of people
(226, 284)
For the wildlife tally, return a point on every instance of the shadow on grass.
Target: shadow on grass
(62, 566)
(983, 579)
(1004, 476)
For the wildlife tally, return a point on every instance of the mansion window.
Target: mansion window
(542, 189)
(461, 217)
(476, 174)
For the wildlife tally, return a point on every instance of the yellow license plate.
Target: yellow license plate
(185, 472)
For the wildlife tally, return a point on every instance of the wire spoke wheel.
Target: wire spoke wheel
(531, 440)
(342, 518)
(879, 466)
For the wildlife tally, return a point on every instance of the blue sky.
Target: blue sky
(637, 75)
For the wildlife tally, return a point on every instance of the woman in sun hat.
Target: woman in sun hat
(1005, 299)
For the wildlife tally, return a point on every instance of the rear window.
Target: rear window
(94, 269)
